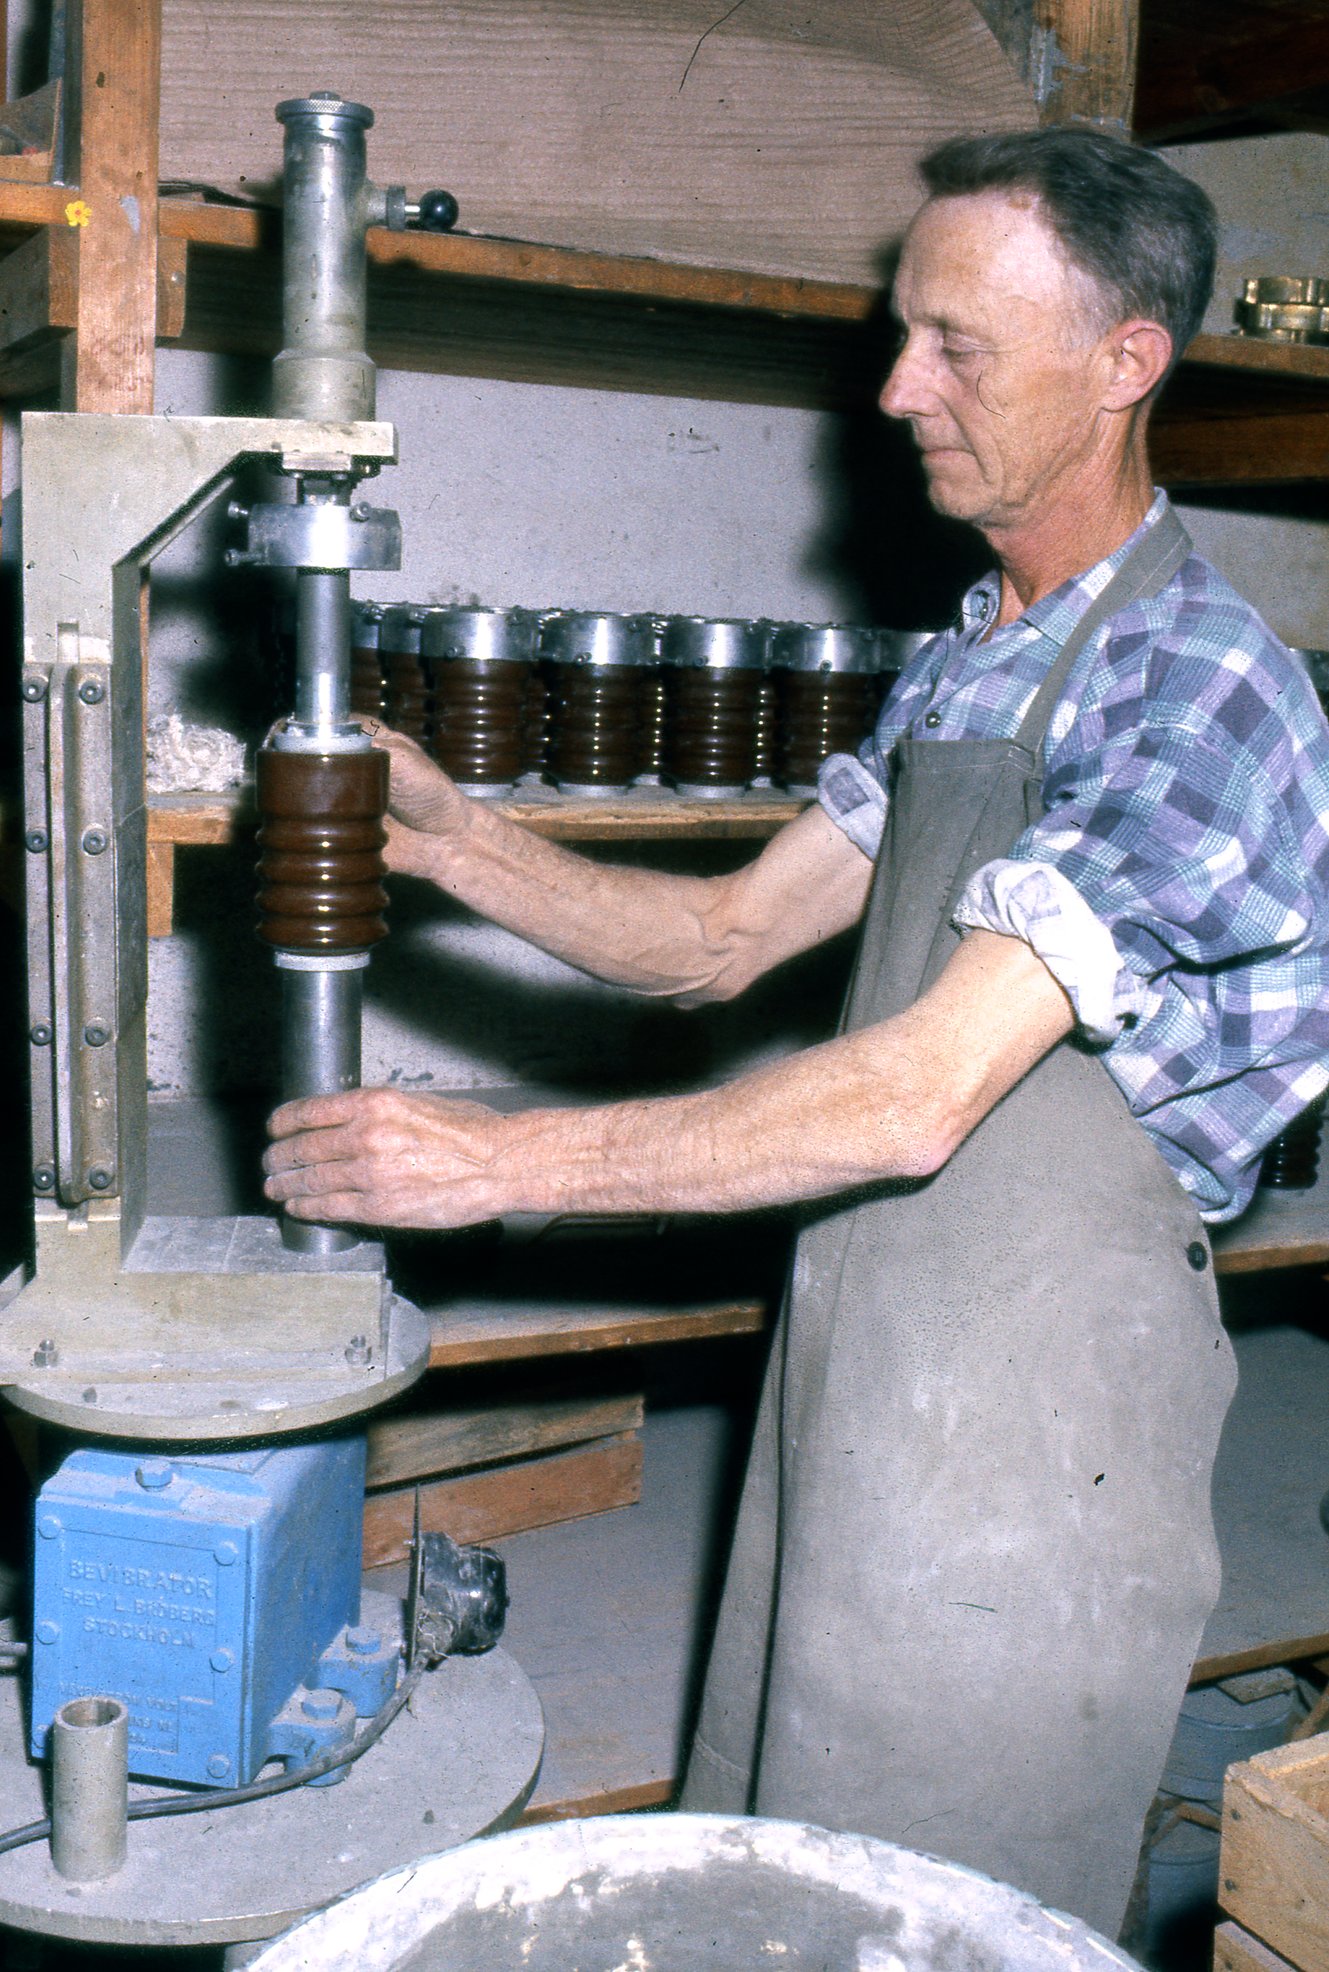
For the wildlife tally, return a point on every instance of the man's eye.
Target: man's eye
(960, 352)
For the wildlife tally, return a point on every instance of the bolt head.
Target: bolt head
(45, 1355)
(41, 1034)
(96, 1035)
(222, 1660)
(226, 1554)
(43, 1178)
(47, 1632)
(218, 1766)
(363, 1642)
(155, 1474)
(91, 691)
(37, 840)
(99, 1178)
(48, 1526)
(34, 688)
(94, 841)
(321, 1704)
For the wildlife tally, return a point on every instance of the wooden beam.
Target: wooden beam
(40, 283)
(518, 1334)
(115, 57)
(1077, 56)
(1206, 63)
(508, 1499)
(433, 1442)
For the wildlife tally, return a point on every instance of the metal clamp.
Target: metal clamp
(320, 534)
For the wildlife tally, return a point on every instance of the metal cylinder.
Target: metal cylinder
(321, 1005)
(323, 650)
(323, 370)
(89, 1788)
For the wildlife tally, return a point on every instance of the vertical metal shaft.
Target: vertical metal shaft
(323, 649)
(89, 1788)
(320, 1051)
(322, 372)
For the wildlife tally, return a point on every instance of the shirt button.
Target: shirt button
(981, 608)
(932, 719)
(1198, 1255)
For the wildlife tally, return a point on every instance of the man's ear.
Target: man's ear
(1139, 352)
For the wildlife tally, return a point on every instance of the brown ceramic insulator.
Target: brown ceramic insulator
(536, 718)
(367, 681)
(767, 733)
(320, 844)
(711, 725)
(652, 723)
(478, 718)
(596, 739)
(407, 700)
(822, 712)
(1293, 1158)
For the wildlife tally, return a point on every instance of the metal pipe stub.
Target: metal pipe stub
(89, 1788)
(323, 370)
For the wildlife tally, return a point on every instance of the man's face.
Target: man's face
(1000, 373)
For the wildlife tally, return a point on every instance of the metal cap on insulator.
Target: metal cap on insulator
(715, 643)
(478, 636)
(830, 647)
(597, 638)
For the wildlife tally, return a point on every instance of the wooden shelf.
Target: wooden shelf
(1280, 1229)
(178, 821)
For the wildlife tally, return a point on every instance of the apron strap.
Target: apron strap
(1151, 563)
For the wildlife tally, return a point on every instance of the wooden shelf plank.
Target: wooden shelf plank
(498, 1333)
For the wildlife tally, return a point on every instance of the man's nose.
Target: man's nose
(904, 392)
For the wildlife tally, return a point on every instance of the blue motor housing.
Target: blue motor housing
(208, 1592)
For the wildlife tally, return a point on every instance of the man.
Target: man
(975, 1552)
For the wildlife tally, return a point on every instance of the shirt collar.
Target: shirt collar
(1055, 615)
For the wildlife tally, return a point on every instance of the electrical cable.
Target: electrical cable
(161, 1805)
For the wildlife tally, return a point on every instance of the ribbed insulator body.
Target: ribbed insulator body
(536, 720)
(597, 725)
(368, 693)
(321, 840)
(765, 760)
(407, 699)
(821, 713)
(1292, 1160)
(479, 706)
(711, 727)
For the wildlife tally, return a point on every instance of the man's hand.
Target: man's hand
(423, 802)
(377, 1157)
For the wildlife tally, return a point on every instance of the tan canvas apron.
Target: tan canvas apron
(975, 1550)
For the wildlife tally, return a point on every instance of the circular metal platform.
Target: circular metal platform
(458, 1762)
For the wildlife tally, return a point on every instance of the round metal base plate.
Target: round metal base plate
(183, 1408)
(458, 1762)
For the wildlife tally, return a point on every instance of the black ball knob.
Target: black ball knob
(438, 212)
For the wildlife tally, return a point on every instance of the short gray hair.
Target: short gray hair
(1144, 235)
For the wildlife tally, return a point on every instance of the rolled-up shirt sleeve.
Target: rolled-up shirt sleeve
(855, 799)
(1161, 856)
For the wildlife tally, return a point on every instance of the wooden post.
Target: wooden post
(113, 116)
(1078, 56)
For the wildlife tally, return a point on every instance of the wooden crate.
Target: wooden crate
(1274, 1861)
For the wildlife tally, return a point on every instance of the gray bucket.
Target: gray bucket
(687, 1893)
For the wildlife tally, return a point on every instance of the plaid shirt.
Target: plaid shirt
(1178, 885)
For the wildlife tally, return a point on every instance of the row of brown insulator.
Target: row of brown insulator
(598, 702)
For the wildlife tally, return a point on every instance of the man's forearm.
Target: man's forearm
(889, 1101)
(689, 937)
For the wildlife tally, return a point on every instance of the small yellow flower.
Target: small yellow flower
(78, 212)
